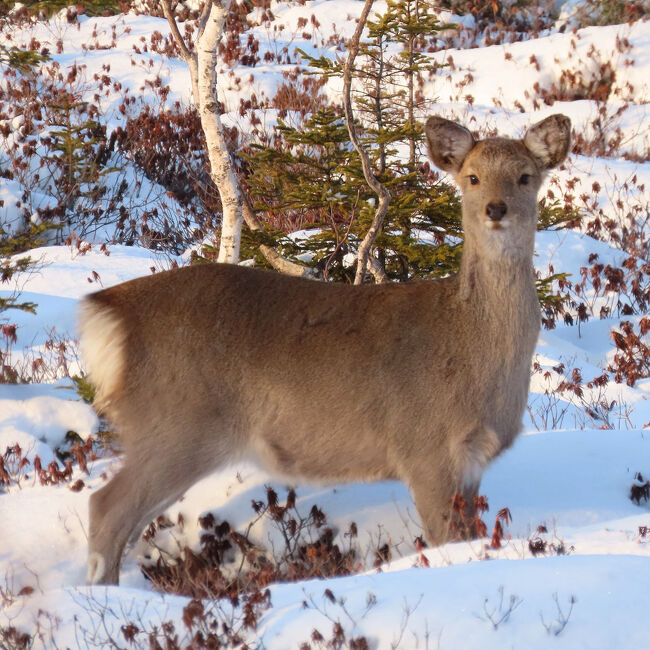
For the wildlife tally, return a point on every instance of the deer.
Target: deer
(424, 382)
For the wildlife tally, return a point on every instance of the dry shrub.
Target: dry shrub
(640, 491)
(467, 522)
(608, 12)
(308, 551)
(299, 94)
(15, 465)
(620, 217)
(14, 639)
(337, 640)
(540, 544)
(502, 22)
(169, 147)
(632, 359)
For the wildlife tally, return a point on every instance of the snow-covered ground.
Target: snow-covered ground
(566, 481)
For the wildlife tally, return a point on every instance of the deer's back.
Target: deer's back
(295, 369)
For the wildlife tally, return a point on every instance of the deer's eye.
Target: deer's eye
(473, 179)
(524, 179)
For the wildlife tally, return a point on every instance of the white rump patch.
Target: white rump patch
(101, 344)
(96, 568)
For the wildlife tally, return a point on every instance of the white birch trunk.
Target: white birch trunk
(221, 169)
(203, 72)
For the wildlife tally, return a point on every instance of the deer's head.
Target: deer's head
(500, 179)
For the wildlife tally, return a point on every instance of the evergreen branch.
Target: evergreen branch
(22, 60)
(322, 65)
(11, 303)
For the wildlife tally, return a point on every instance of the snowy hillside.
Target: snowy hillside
(568, 564)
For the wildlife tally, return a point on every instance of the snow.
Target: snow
(48, 416)
(460, 606)
(565, 473)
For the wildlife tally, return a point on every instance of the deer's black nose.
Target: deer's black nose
(496, 211)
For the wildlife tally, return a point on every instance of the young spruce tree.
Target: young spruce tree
(315, 175)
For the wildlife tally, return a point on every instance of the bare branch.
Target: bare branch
(167, 10)
(382, 193)
(274, 258)
(189, 57)
(203, 18)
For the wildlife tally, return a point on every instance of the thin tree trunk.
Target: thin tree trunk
(378, 111)
(411, 100)
(411, 109)
(220, 164)
(383, 194)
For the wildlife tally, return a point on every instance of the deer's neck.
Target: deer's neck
(501, 315)
(500, 291)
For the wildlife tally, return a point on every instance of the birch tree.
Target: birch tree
(202, 64)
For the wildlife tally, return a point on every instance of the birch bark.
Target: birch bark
(202, 65)
(221, 168)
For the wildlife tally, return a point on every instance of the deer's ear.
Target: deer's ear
(448, 143)
(549, 140)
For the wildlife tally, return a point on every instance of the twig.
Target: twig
(556, 627)
(407, 610)
(501, 613)
(167, 10)
(274, 258)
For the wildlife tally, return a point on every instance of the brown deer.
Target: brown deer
(425, 382)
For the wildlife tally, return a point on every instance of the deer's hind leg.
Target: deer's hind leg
(154, 476)
(114, 512)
